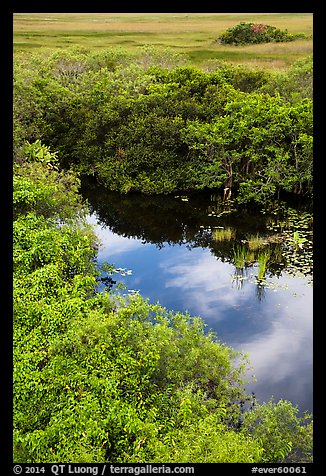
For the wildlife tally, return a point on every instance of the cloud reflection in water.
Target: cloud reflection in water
(275, 331)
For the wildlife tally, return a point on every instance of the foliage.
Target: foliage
(154, 126)
(100, 377)
(101, 372)
(251, 33)
(255, 145)
(40, 187)
(39, 152)
(286, 437)
(294, 85)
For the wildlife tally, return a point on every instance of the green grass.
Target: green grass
(263, 259)
(223, 234)
(193, 34)
(256, 242)
(239, 257)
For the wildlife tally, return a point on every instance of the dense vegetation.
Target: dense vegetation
(99, 377)
(252, 33)
(158, 127)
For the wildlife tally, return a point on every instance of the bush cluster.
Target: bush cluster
(246, 33)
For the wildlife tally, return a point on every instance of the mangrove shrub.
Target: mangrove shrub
(158, 129)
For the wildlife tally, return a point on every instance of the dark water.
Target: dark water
(181, 252)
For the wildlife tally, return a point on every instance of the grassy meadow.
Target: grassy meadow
(192, 34)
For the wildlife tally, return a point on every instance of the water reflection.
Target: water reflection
(163, 220)
(240, 236)
(277, 333)
(283, 352)
(177, 259)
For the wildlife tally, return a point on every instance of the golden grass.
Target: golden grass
(194, 34)
(112, 23)
(171, 22)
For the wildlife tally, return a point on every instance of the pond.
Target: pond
(247, 273)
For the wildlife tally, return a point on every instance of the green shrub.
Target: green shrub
(153, 129)
(285, 436)
(295, 84)
(252, 33)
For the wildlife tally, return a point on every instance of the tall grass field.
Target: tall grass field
(192, 34)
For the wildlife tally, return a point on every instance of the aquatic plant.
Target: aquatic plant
(223, 234)
(298, 241)
(263, 258)
(256, 242)
(239, 257)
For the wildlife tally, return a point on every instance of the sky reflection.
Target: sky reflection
(276, 331)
